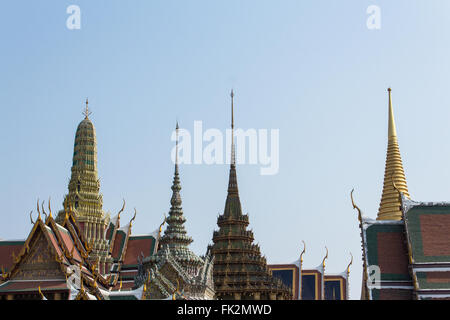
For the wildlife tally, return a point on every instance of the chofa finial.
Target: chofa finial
(303, 252)
(325, 258)
(355, 206)
(351, 262)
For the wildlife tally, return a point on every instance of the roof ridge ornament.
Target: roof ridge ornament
(134, 217)
(301, 254)
(355, 206)
(43, 211)
(31, 219)
(325, 258)
(49, 208)
(41, 294)
(162, 224)
(66, 214)
(351, 262)
(37, 205)
(121, 210)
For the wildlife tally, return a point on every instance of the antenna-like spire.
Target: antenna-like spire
(86, 112)
(233, 151)
(176, 149)
(232, 183)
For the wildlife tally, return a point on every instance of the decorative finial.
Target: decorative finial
(49, 208)
(233, 152)
(43, 211)
(355, 206)
(32, 222)
(134, 217)
(40, 293)
(351, 262)
(86, 112)
(304, 250)
(39, 217)
(325, 258)
(121, 210)
(162, 224)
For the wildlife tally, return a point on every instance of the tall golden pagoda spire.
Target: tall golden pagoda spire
(394, 175)
(84, 195)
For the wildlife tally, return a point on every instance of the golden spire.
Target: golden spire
(394, 176)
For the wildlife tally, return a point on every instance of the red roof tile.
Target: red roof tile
(136, 245)
(15, 286)
(7, 248)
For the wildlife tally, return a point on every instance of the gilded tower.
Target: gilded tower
(394, 175)
(240, 272)
(84, 192)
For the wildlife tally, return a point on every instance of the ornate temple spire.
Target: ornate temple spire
(237, 261)
(394, 175)
(175, 236)
(84, 186)
(84, 196)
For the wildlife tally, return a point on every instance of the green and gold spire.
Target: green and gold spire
(84, 186)
(84, 193)
(394, 175)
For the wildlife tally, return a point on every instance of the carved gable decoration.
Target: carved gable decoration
(39, 261)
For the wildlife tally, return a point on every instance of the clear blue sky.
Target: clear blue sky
(311, 69)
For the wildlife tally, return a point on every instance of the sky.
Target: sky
(311, 69)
